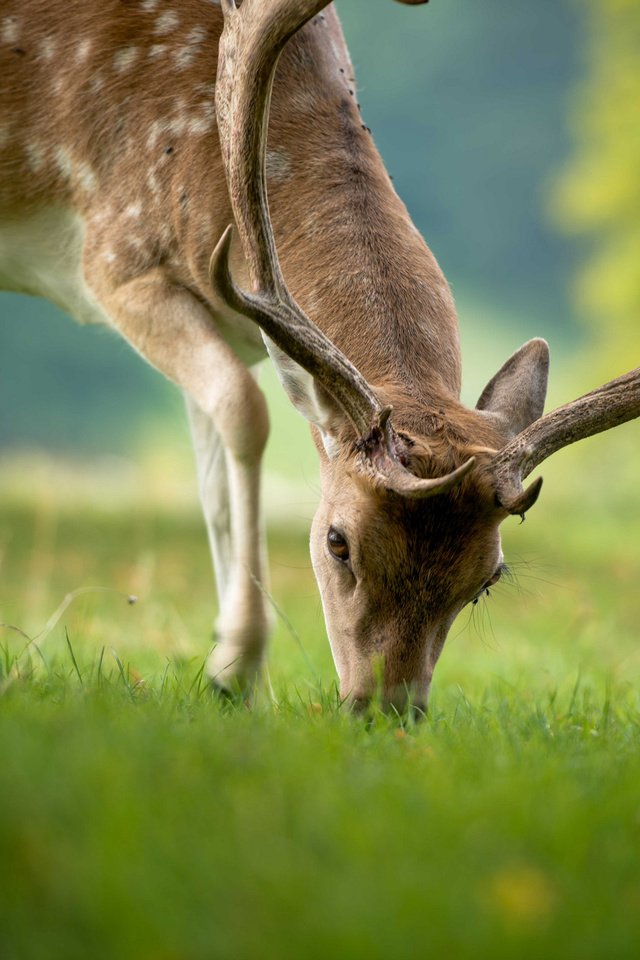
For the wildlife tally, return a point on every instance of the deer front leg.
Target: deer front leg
(213, 487)
(228, 413)
(230, 497)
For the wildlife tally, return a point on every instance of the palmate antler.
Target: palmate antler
(608, 406)
(253, 38)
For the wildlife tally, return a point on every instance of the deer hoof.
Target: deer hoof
(233, 671)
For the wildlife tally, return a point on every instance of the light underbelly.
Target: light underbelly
(41, 254)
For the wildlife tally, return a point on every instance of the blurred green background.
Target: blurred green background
(510, 132)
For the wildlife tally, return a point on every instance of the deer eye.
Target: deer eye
(338, 546)
(490, 583)
(494, 579)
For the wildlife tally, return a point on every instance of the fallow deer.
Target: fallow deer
(124, 159)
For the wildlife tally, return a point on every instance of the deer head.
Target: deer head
(407, 530)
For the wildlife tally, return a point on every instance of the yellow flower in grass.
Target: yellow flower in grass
(521, 895)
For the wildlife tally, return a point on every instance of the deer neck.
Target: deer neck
(349, 251)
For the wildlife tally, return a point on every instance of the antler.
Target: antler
(254, 36)
(251, 43)
(608, 406)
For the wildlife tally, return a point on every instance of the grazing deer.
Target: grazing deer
(123, 161)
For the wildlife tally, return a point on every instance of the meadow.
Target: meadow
(141, 817)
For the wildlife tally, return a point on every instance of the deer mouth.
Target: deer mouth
(398, 703)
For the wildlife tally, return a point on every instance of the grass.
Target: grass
(142, 818)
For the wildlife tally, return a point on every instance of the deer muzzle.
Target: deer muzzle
(401, 701)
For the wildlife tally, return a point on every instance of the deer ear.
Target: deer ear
(515, 396)
(309, 398)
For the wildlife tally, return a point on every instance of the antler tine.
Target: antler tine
(253, 38)
(394, 477)
(608, 406)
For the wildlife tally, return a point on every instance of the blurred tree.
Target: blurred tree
(599, 193)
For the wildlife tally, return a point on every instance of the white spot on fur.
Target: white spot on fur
(86, 177)
(10, 30)
(64, 162)
(48, 47)
(166, 23)
(152, 183)
(83, 50)
(100, 217)
(35, 156)
(80, 173)
(156, 51)
(197, 36)
(199, 125)
(181, 123)
(158, 127)
(124, 59)
(133, 211)
(149, 5)
(97, 82)
(109, 256)
(177, 126)
(185, 54)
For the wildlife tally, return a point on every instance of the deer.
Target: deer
(198, 177)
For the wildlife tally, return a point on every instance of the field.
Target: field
(142, 818)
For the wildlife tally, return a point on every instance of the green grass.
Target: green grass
(142, 818)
